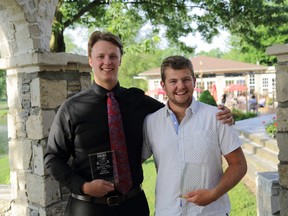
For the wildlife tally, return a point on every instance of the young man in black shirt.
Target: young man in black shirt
(80, 128)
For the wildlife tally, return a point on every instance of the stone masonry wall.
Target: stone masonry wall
(281, 51)
(25, 26)
(36, 88)
(268, 188)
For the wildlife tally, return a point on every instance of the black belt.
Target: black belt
(110, 201)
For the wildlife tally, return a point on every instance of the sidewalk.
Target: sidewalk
(5, 198)
(4, 192)
(255, 126)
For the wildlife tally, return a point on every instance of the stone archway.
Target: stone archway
(37, 83)
(25, 26)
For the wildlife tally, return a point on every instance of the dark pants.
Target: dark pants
(136, 205)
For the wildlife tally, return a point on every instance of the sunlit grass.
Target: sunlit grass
(5, 170)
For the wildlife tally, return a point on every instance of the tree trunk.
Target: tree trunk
(57, 43)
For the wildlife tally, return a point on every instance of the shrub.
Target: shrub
(239, 115)
(271, 127)
(207, 98)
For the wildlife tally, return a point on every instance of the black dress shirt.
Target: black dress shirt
(80, 128)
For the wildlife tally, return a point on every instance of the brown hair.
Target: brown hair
(176, 62)
(105, 36)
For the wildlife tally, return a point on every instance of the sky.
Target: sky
(218, 42)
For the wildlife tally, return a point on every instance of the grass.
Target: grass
(3, 122)
(4, 160)
(5, 171)
(3, 108)
(243, 202)
(149, 183)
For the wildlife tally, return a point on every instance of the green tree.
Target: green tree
(216, 53)
(176, 17)
(133, 64)
(241, 50)
(250, 40)
(117, 17)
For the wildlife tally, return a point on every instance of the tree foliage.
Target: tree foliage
(215, 53)
(250, 40)
(135, 63)
(179, 18)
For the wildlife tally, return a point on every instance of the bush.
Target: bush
(270, 101)
(207, 98)
(239, 115)
(271, 128)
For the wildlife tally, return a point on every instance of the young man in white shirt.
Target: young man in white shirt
(187, 143)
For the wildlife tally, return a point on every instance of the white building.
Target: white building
(211, 72)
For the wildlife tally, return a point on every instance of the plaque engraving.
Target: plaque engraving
(101, 164)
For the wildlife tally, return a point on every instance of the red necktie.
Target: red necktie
(118, 144)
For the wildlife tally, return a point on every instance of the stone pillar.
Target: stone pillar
(281, 51)
(268, 194)
(37, 84)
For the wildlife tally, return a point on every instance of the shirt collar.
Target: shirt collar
(102, 92)
(193, 108)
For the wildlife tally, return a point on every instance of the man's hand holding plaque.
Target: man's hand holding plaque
(101, 164)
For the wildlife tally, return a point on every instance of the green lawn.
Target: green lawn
(5, 171)
(243, 202)
(4, 161)
(3, 108)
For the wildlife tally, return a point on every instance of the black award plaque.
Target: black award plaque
(101, 164)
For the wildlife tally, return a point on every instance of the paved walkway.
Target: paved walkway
(5, 198)
(255, 126)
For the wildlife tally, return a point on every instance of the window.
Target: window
(198, 89)
(252, 79)
(252, 90)
(240, 82)
(157, 84)
(265, 83)
(229, 82)
(199, 85)
(210, 85)
(273, 84)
